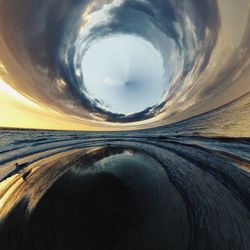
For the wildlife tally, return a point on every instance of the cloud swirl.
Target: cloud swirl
(183, 68)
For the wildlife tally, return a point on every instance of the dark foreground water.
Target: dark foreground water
(139, 191)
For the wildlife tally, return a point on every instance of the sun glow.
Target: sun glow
(5, 89)
(17, 110)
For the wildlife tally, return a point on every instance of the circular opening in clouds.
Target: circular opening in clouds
(124, 74)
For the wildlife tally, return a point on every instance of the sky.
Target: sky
(115, 65)
(124, 70)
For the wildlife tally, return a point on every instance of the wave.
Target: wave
(118, 192)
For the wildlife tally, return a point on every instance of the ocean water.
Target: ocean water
(137, 190)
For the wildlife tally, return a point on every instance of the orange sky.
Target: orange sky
(18, 111)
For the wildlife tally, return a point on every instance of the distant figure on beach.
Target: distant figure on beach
(18, 169)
